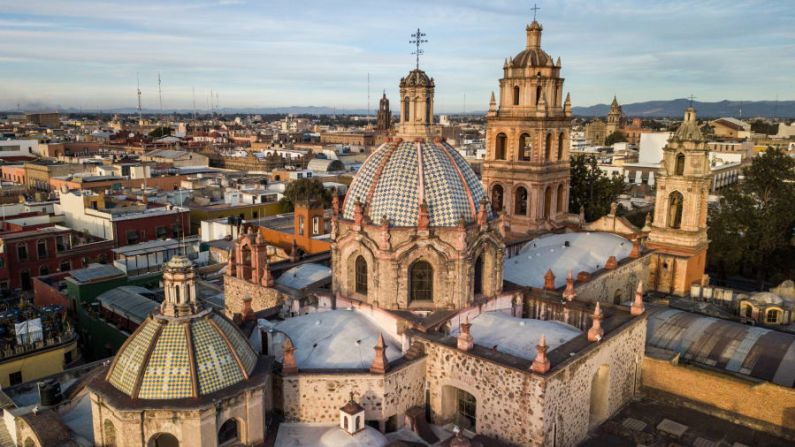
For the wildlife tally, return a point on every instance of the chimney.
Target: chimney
(380, 363)
(465, 340)
(541, 362)
(595, 333)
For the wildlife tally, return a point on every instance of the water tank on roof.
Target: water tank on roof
(49, 392)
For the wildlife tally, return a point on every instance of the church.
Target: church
(462, 311)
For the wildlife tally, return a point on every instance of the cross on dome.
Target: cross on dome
(535, 9)
(418, 41)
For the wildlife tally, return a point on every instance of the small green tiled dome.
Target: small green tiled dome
(176, 358)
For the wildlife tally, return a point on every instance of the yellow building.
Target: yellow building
(24, 363)
(221, 210)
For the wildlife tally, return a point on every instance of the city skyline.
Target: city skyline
(88, 54)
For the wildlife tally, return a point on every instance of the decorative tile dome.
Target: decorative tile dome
(182, 351)
(401, 175)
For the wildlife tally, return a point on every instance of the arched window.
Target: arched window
(478, 276)
(772, 316)
(680, 164)
(421, 281)
(538, 94)
(525, 147)
(406, 109)
(361, 275)
(428, 115)
(675, 202)
(520, 201)
(516, 95)
(496, 198)
(560, 146)
(548, 147)
(163, 440)
(109, 433)
(228, 432)
(29, 443)
(547, 202)
(499, 147)
(561, 208)
(176, 294)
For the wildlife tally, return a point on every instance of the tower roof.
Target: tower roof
(533, 55)
(416, 78)
(400, 176)
(689, 130)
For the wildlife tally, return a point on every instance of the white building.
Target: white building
(19, 148)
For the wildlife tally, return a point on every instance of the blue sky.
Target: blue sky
(266, 53)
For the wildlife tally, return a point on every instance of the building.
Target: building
(526, 171)
(384, 117)
(679, 228)
(199, 382)
(25, 255)
(39, 172)
(176, 158)
(18, 150)
(615, 118)
(49, 119)
(731, 128)
(596, 132)
(125, 222)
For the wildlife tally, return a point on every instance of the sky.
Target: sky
(272, 53)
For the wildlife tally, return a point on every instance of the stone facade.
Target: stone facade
(453, 253)
(526, 170)
(237, 291)
(615, 286)
(317, 397)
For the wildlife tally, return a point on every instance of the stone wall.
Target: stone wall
(608, 286)
(570, 389)
(509, 401)
(317, 397)
(759, 405)
(236, 290)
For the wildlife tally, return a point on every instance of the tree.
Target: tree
(615, 137)
(160, 132)
(752, 225)
(592, 188)
(304, 190)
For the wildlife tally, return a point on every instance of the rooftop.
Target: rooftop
(577, 252)
(304, 275)
(95, 272)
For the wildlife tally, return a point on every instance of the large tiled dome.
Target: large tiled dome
(400, 175)
(174, 358)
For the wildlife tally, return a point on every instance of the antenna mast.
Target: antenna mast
(138, 80)
(160, 95)
(193, 89)
(368, 98)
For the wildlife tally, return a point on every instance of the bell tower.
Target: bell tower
(615, 118)
(679, 230)
(526, 170)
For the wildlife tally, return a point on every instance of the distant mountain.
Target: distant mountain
(675, 108)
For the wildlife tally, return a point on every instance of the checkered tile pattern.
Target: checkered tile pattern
(167, 375)
(130, 360)
(472, 180)
(396, 194)
(247, 355)
(445, 194)
(216, 367)
(363, 179)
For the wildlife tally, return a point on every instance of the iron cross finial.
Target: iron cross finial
(691, 97)
(535, 9)
(418, 41)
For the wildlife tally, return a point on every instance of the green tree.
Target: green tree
(615, 137)
(592, 188)
(160, 132)
(751, 228)
(304, 190)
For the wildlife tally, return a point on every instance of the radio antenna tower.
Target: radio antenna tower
(160, 94)
(194, 102)
(368, 98)
(217, 103)
(138, 79)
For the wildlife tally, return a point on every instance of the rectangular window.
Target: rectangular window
(161, 232)
(301, 225)
(132, 237)
(67, 357)
(41, 249)
(15, 378)
(315, 226)
(22, 252)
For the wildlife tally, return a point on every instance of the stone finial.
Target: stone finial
(647, 224)
(492, 105)
(569, 293)
(483, 213)
(358, 216)
(582, 214)
(637, 307)
(288, 363)
(465, 339)
(635, 253)
(549, 280)
(384, 223)
(505, 223)
(293, 251)
(613, 208)
(267, 278)
(541, 362)
(611, 264)
(595, 333)
(583, 276)
(380, 363)
(567, 105)
(424, 220)
(260, 240)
